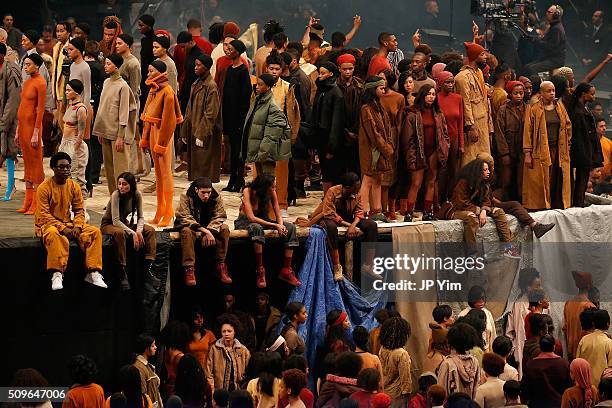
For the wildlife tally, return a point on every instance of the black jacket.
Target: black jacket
(552, 46)
(328, 115)
(585, 150)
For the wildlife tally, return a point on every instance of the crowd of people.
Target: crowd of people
(456, 136)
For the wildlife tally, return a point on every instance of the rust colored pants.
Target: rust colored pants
(119, 242)
(57, 246)
(191, 238)
(471, 224)
(515, 208)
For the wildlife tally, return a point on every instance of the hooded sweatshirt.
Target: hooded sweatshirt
(438, 347)
(460, 373)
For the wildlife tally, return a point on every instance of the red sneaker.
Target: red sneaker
(223, 274)
(261, 277)
(190, 279)
(287, 275)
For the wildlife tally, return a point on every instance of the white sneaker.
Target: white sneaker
(56, 281)
(95, 278)
(284, 213)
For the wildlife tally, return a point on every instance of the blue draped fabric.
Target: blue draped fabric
(321, 294)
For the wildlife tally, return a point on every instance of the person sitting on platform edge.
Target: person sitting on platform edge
(259, 202)
(201, 216)
(126, 202)
(57, 197)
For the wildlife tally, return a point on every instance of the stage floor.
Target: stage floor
(14, 224)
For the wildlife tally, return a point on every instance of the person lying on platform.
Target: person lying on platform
(57, 197)
(260, 211)
(126, 202)
(341, 207)
(201, 217)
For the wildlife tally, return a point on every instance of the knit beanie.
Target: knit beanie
(346, 59)
(441, 78)
(206, 60)
(330, 66)
(473, 50)
(437, 68)
(238, 46)
(78, 43)
(159, 65)
(32, 35)
(147, 19)
(268, 79)
(76, 85)
(231, 28)
(163, 41)
(116, 59)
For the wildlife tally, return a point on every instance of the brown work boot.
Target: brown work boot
(540, 229)
(190, 279)
(223, 274)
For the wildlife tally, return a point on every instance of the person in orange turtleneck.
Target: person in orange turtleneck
(29, 129)
(160, 116)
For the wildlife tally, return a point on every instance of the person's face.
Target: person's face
(227, 332)
(547, 91)
(294, 64)
(590, 95)
(275, 70)
(380, 91)
(61, 33)
(601, 127)
(71, 95)
(346, 324)
(108, 34)
(123, 186)
(382, 75)
(391, 43)
(198, 321)
(73, 52)
(486, 173)
(348, 191)
(152, 72)
(482, 58)
(62, 169)
(122, 47)
(324, 73)
(597, 18)
(302, 316)
(78, 33)
(29, 67)
(598, 110)
(153, 349)
(283, 391)
(261, 302)
(229, 302)
(261, 87)
(226, 43)
(346, 70)
(430, 97)
(409, 85)
(528, 87)
(480, 304)
(26, 43)
(158, 50)
(518, 94)
(550, 13)
(545, 303)
(109, 67)
(418, 63)
(200, 69)
(535, 284)
(8, 22)
(230, 51)
(143, 28)
(203, 193)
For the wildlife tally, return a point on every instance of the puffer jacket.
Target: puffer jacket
(266, 135)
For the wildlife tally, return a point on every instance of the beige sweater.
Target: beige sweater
(114, 110)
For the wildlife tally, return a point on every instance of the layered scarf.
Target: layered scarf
(108, 49)
(157, 82)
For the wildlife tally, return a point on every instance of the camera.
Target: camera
(496, 10)
(66, 62)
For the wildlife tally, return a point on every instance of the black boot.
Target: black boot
(124, 283)
(429, 216)
(408, 217)
(230, 184)
(239, 184)
(299, 189)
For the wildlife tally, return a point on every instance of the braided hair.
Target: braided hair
(395, 333)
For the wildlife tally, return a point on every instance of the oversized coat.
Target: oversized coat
(203, 122)
(536, 181)
(413, 140)
(10, 98)
(375, 141)
(509, 131)
(160, 116)
(469, 83)
(266, 132)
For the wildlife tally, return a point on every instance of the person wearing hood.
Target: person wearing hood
(470, 84)
(343, 382)
(201, 217)
(438, 343)
(395, 360)
(460, 372)
(584, 393)
(10, 98)
(202, 130)
(227, 358)
(573, 308)
(328, 122)
(160, 116)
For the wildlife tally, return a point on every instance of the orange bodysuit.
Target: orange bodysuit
(160, 116)
(30, 115)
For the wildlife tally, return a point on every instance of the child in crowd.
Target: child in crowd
(291, 386)
(426, 380)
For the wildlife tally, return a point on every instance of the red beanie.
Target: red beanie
(441, 77)
(473, 50)
(511, 84)
(377, 65)
(231, 28)
(346, 58)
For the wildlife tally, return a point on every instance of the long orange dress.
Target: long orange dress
(30, 115)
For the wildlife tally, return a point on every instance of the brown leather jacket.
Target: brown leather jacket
(509, 130)
(466, 199)
(375, 142)
(412, 140)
